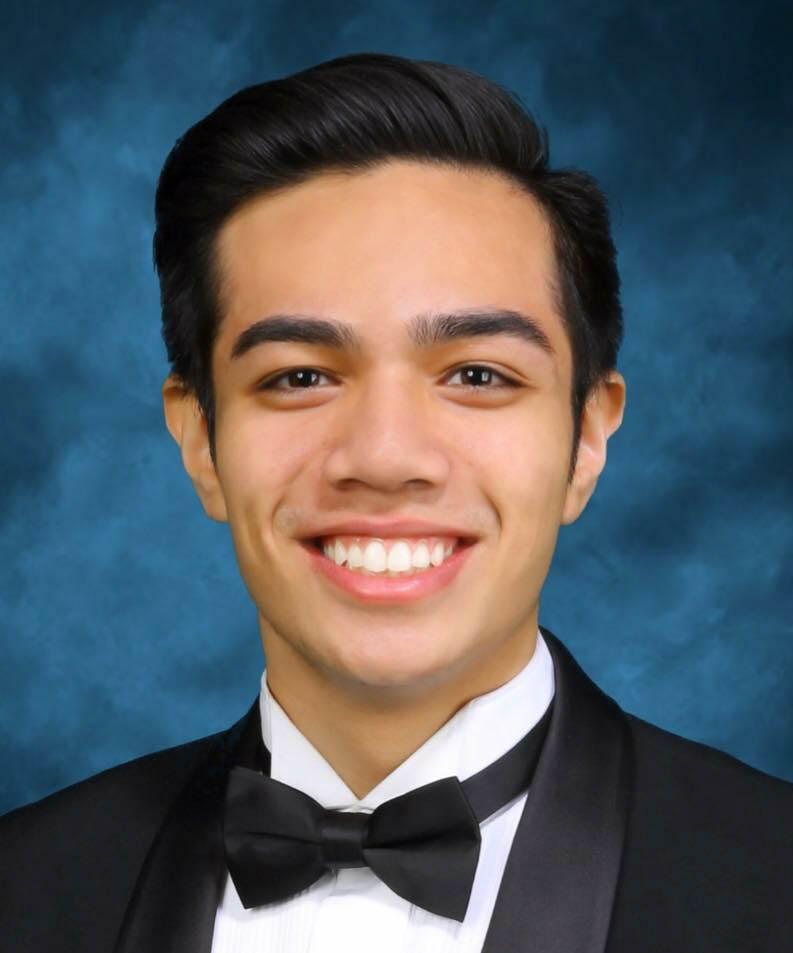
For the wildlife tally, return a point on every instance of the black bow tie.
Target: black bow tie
(424, 844)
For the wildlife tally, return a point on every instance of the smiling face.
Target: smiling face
(309, 434)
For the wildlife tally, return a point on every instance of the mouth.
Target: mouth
(318, 542)
(383, 570)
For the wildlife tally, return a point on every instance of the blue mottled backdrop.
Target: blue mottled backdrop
(125, 626)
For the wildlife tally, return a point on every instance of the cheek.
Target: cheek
(535, 503)
(249, 470)
(254, 459)
(261, 467)
(527, 480)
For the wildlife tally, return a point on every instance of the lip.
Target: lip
(392, 529)
(390, 589)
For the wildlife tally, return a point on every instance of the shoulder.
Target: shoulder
(138, 788)
(688, 776)
(88, 841)
(708, 836)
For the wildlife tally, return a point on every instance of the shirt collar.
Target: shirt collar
(475, 736)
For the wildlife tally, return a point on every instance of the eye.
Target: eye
(475, 377)
(472, 373)
(299, 378)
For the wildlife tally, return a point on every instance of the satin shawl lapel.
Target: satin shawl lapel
(558, 888)
(173, 905)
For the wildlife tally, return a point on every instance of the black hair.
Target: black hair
(352, 113)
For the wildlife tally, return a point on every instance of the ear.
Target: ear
(601, 417)
(188, 427)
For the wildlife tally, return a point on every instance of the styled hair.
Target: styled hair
(352, 113)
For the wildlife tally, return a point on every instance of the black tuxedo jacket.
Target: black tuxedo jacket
(632, 840)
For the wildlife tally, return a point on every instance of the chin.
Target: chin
(398, 672)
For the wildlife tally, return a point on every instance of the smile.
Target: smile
(330, 558)
(391, 557)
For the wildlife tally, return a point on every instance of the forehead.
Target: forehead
(377, 247)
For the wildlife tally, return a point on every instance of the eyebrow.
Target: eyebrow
(425, 330)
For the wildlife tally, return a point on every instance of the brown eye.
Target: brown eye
(481, 377)
(298, 378)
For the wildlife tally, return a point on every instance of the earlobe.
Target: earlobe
(188, 427)
(601, 417)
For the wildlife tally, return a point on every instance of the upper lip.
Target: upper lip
(389, 530)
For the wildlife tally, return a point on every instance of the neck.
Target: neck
(363, 731)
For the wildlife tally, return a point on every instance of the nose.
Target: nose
(390, 437)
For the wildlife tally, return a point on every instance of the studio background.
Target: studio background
(125, 626)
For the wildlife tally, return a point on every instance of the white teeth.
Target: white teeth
(402, 557)
(374, 557)
(399, 559)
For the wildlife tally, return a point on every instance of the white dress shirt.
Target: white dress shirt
(351, 910)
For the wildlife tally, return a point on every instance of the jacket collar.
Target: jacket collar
(173, 905)
(561, 876)
(560, 880)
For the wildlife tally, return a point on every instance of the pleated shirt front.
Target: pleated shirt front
(351, 910)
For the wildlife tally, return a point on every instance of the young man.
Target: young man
(393, 334)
